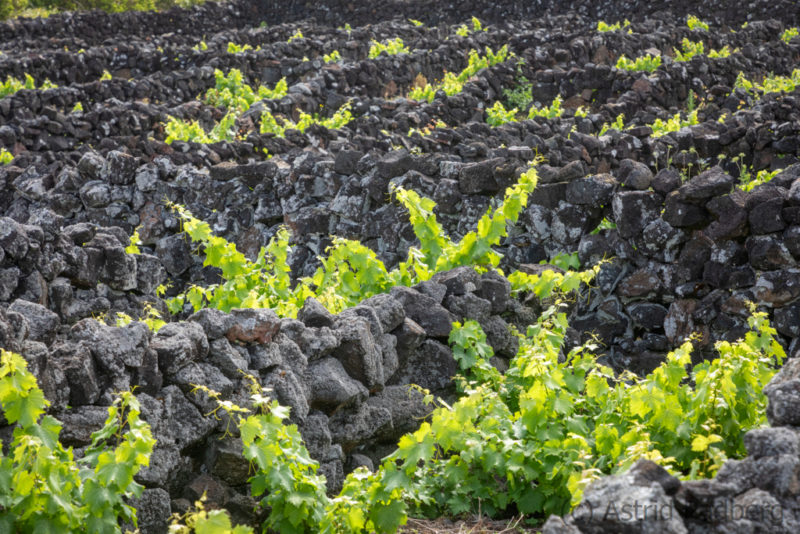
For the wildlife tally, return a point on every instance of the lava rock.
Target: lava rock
(41, 322)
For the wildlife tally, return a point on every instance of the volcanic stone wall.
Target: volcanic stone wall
(756, 494)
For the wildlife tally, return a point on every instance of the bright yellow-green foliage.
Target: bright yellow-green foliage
(449, 84)
(415, 22)
(234, 48)
(789, 34)
(105, 76)
(133, 244)
(42, 487)
(673, 124)
(6, 157)
(9, 7)
(497, 114)
(452, 84)
(202, 521)
(464, 30)
(232, 93)
(618, 124)
(602, 26)
(547, 428)
(690, 49)
(295, 36)
(47, 7)
(350, 272)
(12, 85)
(552, 111)
(723, 52)
(270, 124)
(748, 183)
(152, 318)
(391, 47)
(644, 63)
(521, 95)
(333, 57)
(770, 84)
(77, 108)
(201, 46)
(181, 130)
(286, 482)
(476, 62)
(695, 23)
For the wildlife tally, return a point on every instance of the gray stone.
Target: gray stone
(289, 391)
(766, 217)
(49, 376)
(787, 320)
(768, 253)
(314, 314)
(75, 359)
(116, 350)
(635, 175)
(468, 306)
(164, 462)
(609, 503)
(407, 408)
(215, 323)
(783, 394)
(479, 177)
(95, 194)
(251, 325)
(409, 336)
(762, 442)
(79, 423)
(791, 238)
(13, 239)
(315, 343)
(358, 353)
(425, 311)
(225, 460)
(178, 344)
(118, 268)
(149, 273)
(357, 424)
(432, 289)
(223, 356)
(330, 387)
(430, 366)
(685, 215)
(777, 288)
(390, 312)
(634, 210)
(316, 435)
(42, 323)
(648, 315)
(153, 510)
(707, 184)
(459, 281)
(387, 344)
(202, 374)
(175, 253)
(595, 190)
(496, 289)
(364, 312)
(666, 181)
(9, 279)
